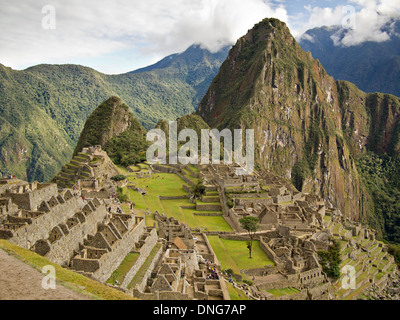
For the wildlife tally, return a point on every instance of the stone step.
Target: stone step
(208, 207)
(210, 199)
(80, 159)
(75, 163)
(85, 156)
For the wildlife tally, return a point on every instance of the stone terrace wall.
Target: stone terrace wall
(31, 200)
(95, 194)
(112, 260)
(142, 285)
(62, 250)
(145, 251)
(40, 228)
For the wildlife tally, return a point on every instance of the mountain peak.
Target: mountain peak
(190, 58)
(269, 84)
(110, 119)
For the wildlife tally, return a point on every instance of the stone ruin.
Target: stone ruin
(188, 268)
(89, 238)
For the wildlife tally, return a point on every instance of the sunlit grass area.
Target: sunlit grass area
(124, 268)
(234, 254)
(235, 294)
(283, 292)
(68, 278)
(169, 185)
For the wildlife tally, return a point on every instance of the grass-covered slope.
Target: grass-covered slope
(67, 278)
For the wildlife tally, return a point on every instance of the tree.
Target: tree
(330, 260)
(251, 225)
(199, 190)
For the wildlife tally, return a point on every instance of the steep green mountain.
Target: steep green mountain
(113, 127)
(43, 109)
(111, 119)
(308, 127)
(372, 66)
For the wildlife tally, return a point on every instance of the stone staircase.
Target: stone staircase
(78, 168)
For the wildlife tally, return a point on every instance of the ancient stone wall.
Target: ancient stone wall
(41, 226)
(144, 251)
(142, 285)
(62, 250)
(32, 200)
(109, 262)
(95, 194)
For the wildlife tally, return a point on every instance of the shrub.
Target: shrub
(248, 282)
(330, 261)
(119, 177)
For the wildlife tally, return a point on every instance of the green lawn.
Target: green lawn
(283, 292)
(235, 294)
(168, 185)
(234, 254)
(124, 268)
(194, 169)
(172, 208)
(213, 223)
(162, 184)
(142, 271)
(65, 277)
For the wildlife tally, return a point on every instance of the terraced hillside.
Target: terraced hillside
(86, 166)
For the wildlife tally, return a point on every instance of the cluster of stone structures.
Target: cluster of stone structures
(183, 271)
(82, 228)
(91, 169)
(67, 230)
(294, 227)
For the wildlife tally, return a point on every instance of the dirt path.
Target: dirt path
(19, 281)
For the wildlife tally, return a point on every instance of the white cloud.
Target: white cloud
(365, 23)
(94, 28)
(370, 20)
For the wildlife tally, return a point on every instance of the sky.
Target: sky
(118, 36)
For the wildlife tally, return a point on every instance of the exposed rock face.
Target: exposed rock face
(308, 127)
(109, 120)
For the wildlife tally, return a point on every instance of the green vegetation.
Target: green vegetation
(127, 149)
(119, 177)
(251, 225)
(300, 172)
(41, 124)
(330, 260)
(236, 294)
(123, 269)
(122, 196)
(233, 254)
(199, 190)
(142, 271)
(381, 176)
(65, 277)
(283, 292)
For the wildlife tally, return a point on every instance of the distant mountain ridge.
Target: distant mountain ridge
(43, 109)
(372, 66)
